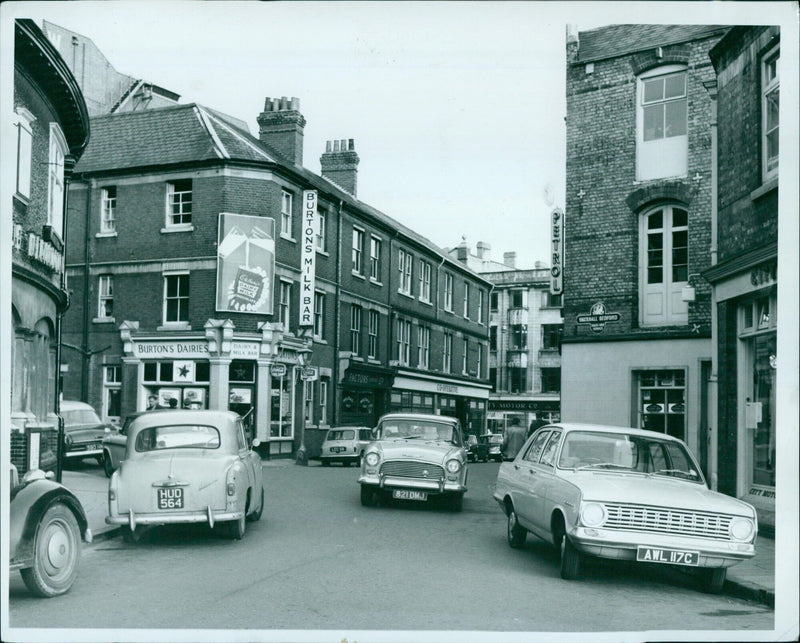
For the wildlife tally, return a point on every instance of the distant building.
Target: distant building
(52, 129)
(636, 349)
(744, 247)
(525, 327)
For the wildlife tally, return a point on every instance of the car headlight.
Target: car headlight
(372, 459)
(741, 529)
(453, 466)
(593, 514)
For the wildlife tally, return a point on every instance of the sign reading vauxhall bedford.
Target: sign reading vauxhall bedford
(245, 263)
(308, 257)
(598, 317)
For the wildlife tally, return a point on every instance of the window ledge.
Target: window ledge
(372, 360)
(358, 275)
(286, 237)
(25, 200)
(405, 294)
(103, 235)
(103, 320)
(375, 282)
(175, 326)
(427, 302)
(324, 253)
(187, 227)
(766, 188)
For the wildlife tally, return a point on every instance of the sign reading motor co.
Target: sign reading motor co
(598, 317)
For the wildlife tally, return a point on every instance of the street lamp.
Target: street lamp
(303, 357)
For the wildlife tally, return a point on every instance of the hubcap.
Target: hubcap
(58, 548)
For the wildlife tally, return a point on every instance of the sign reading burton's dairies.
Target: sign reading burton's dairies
(245, 263)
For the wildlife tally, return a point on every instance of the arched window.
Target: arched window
(663, 265)
(661, 123)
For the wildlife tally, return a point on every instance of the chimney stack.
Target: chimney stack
(484, 250)
(339, 163)
(281, 126)
(510, 259)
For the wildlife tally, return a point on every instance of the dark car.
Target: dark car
(47, 523)
(493, 443)
(477, 451)
(115, 442)
(83, 432)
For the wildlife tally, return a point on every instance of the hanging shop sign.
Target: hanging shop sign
(245, 263)
(278, 370)
(557, 253)
(309, 373)
(598, 317)
(308, 257)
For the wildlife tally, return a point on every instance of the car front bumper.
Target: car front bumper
(84, 453)
(431, 486)
(208, 516)
(608, 543)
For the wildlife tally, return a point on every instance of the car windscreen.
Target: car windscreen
(342, 434)
(78, 417)
(627, 452)
(177, 436)
(415, 429)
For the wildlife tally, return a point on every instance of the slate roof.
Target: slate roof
(620, 40)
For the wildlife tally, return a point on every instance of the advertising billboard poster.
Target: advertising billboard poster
(245, 263)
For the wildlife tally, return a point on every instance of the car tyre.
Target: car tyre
(456, 502)
(367, 496)
(56, 550)
(256, 515)
(713, 579)
(516, 533)
(570, 559)
(326, 462)
(108, 466)
(236, 528)
(101, 460)
(129, 535)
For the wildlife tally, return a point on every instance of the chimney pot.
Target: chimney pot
(282, 129)
(352, 144)
(295, 104)
(339, 163)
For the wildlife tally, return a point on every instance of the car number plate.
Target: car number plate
(670, 556)
(406, 494)
(170, 497)
(337, 449)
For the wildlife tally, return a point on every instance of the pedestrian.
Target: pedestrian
(514, 439)
(152, 402)
(535, 424)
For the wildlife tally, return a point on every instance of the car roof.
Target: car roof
(608, 428)
(74, 405)
(425, 417)
(180, 416)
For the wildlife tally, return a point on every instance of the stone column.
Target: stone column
(263, 399)
(218, 385)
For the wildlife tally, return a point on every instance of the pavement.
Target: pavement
(752, 579)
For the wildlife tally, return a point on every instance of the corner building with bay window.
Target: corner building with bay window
(186, 277)
(636, 346)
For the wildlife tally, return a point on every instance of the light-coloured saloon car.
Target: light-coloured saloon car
(186, 466)
(622, 493)
(415, 457)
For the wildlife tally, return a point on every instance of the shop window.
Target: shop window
(375, 258)
(770, 116)
(108, 209)
(355, 329)
(286, 214)
(112, 389)
(105, 289)
(308, 402)
(282, 407)
(242, 371)
(372, 349)
(55, 208)
(358, 251)
(551, 336)
(423, 346)
(319, 314)
(24, 124)
(551, 380)
(448, 292)
(662, 401)
(664, 266)
(176, 298)
(164, 372)
(179, 202)
(424, 281)
(405, 268)
(412, 402)
(447, 353)
(662, 123)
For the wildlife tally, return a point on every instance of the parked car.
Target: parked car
(622, 493)
(83, 431)
(115, 443)
(186, 466)
(493, 443)
(47, 523)
(415, 457)
(345, 444)
(477, 451)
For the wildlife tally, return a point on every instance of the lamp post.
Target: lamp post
(303, 357)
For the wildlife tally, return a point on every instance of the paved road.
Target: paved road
(318, 560)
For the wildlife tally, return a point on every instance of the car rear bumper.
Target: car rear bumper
(605, 543)
(86, 453)
(208, 516)
(431, 486)
(353, 457)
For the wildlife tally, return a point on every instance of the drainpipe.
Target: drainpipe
(86, 353)
(336, 317)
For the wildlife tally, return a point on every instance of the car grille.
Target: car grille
(412, 469)
(668, 521)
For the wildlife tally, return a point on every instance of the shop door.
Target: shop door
(760, 410)
(241, 400)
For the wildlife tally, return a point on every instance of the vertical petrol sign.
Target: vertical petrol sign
(308, 257)
(557, 254)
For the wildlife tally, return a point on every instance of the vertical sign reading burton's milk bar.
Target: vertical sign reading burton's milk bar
(308, 257)
(557, 255)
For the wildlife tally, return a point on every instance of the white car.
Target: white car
(626, 494)
(416, 457)
(186, 466)
(345, 444)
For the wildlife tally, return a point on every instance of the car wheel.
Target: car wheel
(256, 515)
(108, 466)
(56, 550)
(129, 535)
(101, 460)
(367, 496)
(712, 579)
(456, 502)
(326, 462)
(570, 559)
(515, 532)
(236, 528)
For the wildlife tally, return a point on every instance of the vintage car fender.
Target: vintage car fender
(28, 504)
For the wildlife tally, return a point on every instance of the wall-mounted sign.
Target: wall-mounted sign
(36, 248)
(557, 254)
(598, 317)
(308, 257)
(171, 350)
(245, 350)
(245, 263)
(278, 370)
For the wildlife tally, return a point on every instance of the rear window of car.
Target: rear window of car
(342, 434)
(177, 436)
(80, 416)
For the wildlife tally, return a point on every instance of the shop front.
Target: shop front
(364, 394)
(417, 393)
(528, 412)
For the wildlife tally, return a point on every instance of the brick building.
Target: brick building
(637, 316)
(190, 252)
(51, 127)
(744, 251)
(525, 327)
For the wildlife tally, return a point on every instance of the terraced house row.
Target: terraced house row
(186, 275)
